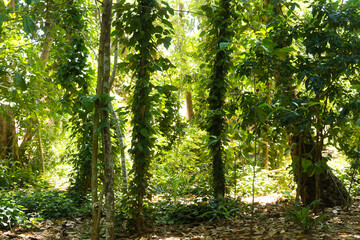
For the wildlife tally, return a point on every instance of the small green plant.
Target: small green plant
(12, 214)
(223, 209)
(304, 218)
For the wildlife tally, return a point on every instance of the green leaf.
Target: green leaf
(140, 147)
(144, 132)
(2, 19)
(305, 163)
(287, 151)
(166, 22)
(106, 109)
(307, 105)
(19, 81)
(28, 24)
(318, 168)
(166, 42)
(261, 114)
(223, 45)
(106, 98)
(357, 122)
(268, 45)
(89, 101)
(355, 86)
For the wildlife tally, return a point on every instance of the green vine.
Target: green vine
(74, 77)
(220, 34)
(138, 21)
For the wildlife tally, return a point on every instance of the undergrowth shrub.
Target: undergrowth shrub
(19, 178)
(12, 214)
(196, 211)
(49, 204)
(184, 168)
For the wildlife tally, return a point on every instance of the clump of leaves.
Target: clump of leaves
(12, 214)
(50, 204)
(304, 217)
(200, 210)
(10, 178)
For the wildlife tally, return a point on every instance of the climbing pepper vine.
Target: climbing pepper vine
(147, 26)
(219, 33)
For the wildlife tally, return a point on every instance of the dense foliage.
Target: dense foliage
(223, 99)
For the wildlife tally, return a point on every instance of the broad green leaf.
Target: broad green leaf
(28, 24)
(166, 42)
(19, 81)
(106, 98)
(265, 105)
(144, 132)
(140, 147)
(318, 168)
(268, 45)
(106, 109)
(89, 101)
(2, 19)
(355, 86)
(305, 163)
(261, 114)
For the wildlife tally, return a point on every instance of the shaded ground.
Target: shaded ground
(269, 222)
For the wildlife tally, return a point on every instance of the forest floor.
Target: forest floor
(269, 222)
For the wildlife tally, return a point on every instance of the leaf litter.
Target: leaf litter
(270, 222)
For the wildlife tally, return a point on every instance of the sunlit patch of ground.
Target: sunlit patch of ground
(263, 200)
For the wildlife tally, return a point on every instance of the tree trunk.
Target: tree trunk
(94, 179)
(329, 188)
(3, 136)
(8, 138)
(95, 235)
(122, 150)
(189, 105)
(117, 125)
(106, 136)
(41, 150)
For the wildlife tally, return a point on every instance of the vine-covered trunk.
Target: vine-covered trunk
(308, 165)
(144, 60)
(216, 99)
